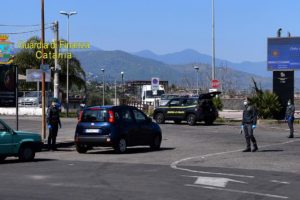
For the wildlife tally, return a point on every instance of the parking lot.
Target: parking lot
(195, 162)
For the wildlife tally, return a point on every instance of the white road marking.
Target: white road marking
(38, 177)
(238, 191)
(174, 164)
(281, 182)
(214, 181)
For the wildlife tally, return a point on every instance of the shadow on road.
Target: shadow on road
(133, 150)
(15, 161)
(197, 124)
(62, 146)
(271, 150)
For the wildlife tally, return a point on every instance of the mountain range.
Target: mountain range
(191, 56)
(177, 68)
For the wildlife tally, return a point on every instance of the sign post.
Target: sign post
(154, 87)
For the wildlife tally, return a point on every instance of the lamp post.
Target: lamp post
(103, 90)
(197, 69)
(68, 14)
(213, 41)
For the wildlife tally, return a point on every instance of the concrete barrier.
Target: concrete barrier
(31, 111)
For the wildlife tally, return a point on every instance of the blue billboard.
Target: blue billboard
(284, 54)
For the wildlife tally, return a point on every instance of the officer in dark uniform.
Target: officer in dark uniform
(249, 124)
(53, 120)
(289, 117)
(82, 106)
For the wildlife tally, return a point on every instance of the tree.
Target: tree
(26, 59)
(267, 103)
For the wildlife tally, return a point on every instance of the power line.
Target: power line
(32, 31)
(22, 25)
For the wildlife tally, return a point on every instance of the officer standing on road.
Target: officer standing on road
(249, 124)
(289, 117)
(82, 106)
(53, 120)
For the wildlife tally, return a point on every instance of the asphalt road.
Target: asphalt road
(199, 162)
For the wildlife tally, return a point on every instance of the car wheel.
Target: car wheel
(81, 148)
(159, 118)
(156, 142)
(191, 119)
(26, 153)
(120, 146)
(177, 121)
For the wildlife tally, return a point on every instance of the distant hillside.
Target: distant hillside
(191, 56)
(138, 68)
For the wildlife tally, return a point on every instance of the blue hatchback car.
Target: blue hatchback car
(116, 126)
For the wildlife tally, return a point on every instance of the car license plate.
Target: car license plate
(92, 130)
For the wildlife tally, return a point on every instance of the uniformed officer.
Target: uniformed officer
(289, 117)
(249, 124)
(53, 120)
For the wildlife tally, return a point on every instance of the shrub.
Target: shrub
(218, 103)
(267, 103)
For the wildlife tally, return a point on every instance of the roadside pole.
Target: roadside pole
(17, 97)
(56, 67)
(43, 74)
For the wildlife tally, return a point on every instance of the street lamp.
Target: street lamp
(197, 69)
(103, 90)
(213, 71)
(68, 15)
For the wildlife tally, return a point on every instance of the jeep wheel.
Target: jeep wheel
(120, 146)
(159, 118)
(191, 119)
(209, 122)
(177, 121)
(2, 158)
(81, 148)
(26, 153)
(156, 142)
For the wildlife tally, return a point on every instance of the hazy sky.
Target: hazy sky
(163, 26)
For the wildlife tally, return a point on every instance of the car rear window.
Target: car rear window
(94, 115)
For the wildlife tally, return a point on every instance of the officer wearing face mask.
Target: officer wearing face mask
(248, 125)
(53, 120)
(289, 117)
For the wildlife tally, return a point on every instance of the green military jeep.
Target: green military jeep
(18, 143)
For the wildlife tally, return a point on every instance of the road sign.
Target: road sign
(284, 54)
(44, 67)
(215, 83)
(6, 50)
(35, 75)
(155, 83)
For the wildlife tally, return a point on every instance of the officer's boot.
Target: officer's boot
(248, 148)
(255, 148)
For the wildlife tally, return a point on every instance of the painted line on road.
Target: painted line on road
(280, 182)
(175, 164)
(238, 191)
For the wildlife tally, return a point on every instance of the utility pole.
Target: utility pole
(56, 65)
(43, 74)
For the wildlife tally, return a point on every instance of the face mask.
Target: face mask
(245, 103)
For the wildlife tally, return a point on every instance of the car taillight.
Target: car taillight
(111, 116)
